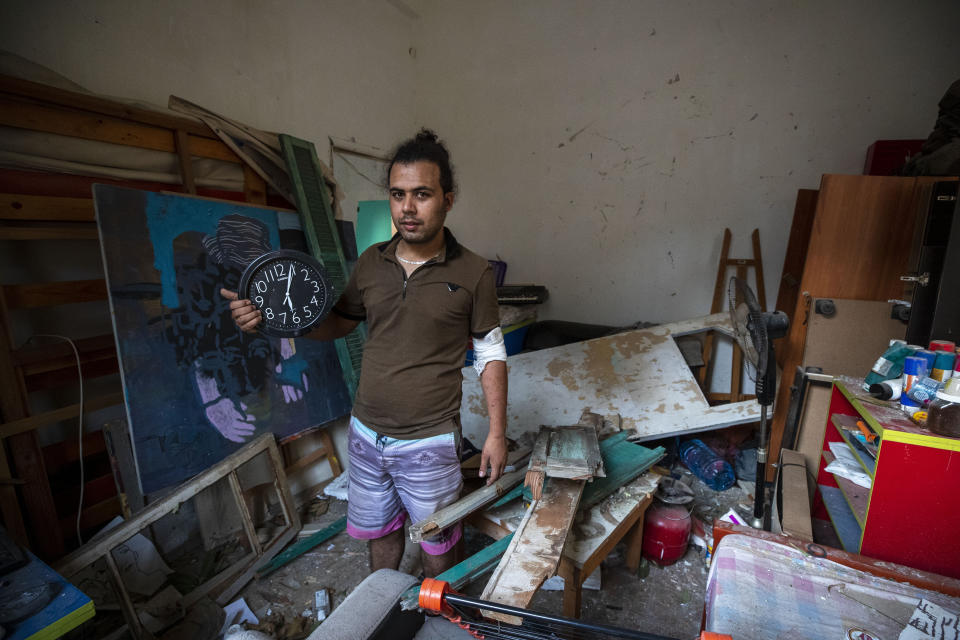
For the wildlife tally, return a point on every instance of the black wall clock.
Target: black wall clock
(291, 289)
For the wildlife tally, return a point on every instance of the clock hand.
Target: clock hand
(289, 302)
(289, 279)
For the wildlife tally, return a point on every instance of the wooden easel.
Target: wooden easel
(719, 293)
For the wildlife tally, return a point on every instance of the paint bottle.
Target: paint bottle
(943, 345)
(929, 356)
(890, 364)
(943, 366)
(913, 368)
(715, 472)
(887, 390)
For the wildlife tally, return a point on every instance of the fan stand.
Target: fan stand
(760, 490)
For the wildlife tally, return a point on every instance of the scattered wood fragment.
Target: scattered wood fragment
(460, 509)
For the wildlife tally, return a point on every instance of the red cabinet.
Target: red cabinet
(910, 514)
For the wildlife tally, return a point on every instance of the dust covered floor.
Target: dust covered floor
(663, 600)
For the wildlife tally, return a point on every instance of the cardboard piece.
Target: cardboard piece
(795, 518)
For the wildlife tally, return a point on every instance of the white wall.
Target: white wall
(602, 147)
(311, 69)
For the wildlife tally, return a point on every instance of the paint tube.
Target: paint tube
(887, 390)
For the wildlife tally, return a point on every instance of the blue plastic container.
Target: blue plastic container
(713, 470)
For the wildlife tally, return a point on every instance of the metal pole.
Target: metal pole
(759, 498)
(459, 600)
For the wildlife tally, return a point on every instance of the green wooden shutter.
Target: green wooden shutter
(320, 228)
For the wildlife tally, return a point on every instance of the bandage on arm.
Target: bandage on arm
(487, 349)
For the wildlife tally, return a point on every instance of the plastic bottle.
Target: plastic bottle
(715, 472)
(943, 413)
(924, 389)
(890, 364)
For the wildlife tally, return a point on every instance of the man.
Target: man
(423, 295)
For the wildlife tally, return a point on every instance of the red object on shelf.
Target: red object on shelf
(666, 531)
(884, 157)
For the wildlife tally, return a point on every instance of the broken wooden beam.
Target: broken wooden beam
(534, 551)
(460, 509)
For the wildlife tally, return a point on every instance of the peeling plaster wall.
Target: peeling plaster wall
(602, 147)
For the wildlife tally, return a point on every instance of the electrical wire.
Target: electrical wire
(76, 354)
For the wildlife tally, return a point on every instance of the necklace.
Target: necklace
(404, 260)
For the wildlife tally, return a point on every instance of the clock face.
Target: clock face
(291, 290)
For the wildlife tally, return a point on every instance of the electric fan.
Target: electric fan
(755, 331)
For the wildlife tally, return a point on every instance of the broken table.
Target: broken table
(619, 517)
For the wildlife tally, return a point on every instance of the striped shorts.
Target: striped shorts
(391, 479)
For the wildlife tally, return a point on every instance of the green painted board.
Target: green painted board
(299, 548)
(323, 239)
(373, 223)
(464, 573)
(622, 462)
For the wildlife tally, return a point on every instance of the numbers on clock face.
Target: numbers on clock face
(290, 294)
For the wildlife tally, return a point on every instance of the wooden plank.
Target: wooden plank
(879, 213)
(26, 207)
(45, 294)
(641, 374)
(254, 187)
(800, 229)
(38, 357)
(245, 519)
(464, 573)
(77, 231)
(715, 306)
(90, 552)
(66, 451)
(259, 150)
(96, 104)
(758, 269)
(331, 452)
(24, 425)
(535, 550)
(227, 595)
(92, 516)
(451, 514)
(567, 452)
(795, 513)
(77, 124)
(182, 142)
(24, 450)
(126, 604)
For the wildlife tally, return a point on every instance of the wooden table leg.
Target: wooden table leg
(572, 583)
(634, 540)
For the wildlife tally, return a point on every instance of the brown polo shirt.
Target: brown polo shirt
(418, 327)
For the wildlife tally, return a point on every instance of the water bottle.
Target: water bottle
(715, 472)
